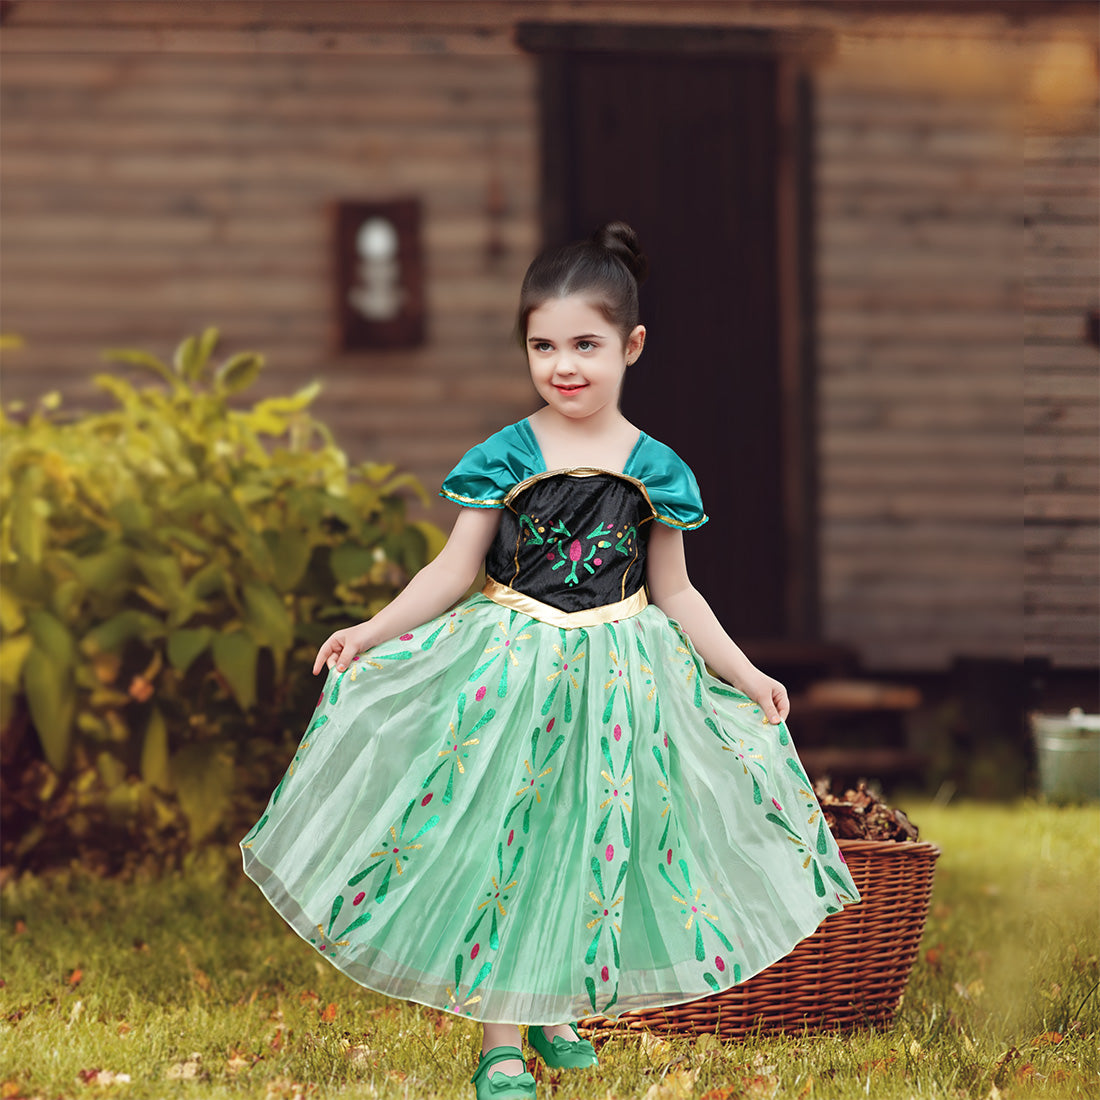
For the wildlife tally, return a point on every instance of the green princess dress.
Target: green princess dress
(541, 805)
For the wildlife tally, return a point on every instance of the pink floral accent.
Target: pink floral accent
(476, 949)
(551, 556)
(668, 857)
(604, 974)
(511, 833)
(597, 561)
(776, 804)
(550, 724)
(575, 550)
(719, 962)
(426, 799)
(610, 852)
(479, 694)
(618, 732)
(406, 637)
(358, 898)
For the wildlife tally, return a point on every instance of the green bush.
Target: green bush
(170, 568)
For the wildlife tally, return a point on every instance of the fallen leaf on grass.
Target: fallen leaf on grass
(189, 1070)
(656, 1050)
(103, 1077)
(10, 1090)
(124, 1028)
(708, 1043)
(76, 977)
(677, 1085)
(723, 1093)
(329, 1014)
(361, 1056)
(238, 1060)
(283, 1088)
(308, 996)
(1047, 1039)
(762, 1085)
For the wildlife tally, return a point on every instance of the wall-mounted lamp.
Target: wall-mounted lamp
(379, 275)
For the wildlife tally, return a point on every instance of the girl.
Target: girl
(539, 803)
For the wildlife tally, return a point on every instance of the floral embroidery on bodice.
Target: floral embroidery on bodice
(573, 539)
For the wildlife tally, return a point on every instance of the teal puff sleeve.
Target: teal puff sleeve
(486, 473)
(672, 488)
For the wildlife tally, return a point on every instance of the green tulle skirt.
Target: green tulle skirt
(526, 824)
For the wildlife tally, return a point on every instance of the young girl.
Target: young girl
(539, 804)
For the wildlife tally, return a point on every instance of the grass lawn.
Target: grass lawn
(191, 986)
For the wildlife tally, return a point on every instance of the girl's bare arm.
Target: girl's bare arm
(671, 590)
(434, 588)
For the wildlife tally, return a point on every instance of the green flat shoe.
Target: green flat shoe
(563, 1053)
(500, 1086)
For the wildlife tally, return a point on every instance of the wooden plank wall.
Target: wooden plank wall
(166, 167)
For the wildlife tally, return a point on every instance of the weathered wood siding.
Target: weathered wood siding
(167, 166)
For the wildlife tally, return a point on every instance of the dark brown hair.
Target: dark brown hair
(605, 269)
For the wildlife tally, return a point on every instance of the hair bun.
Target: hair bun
(619, 239)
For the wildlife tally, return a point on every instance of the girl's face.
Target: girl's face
(577, 357)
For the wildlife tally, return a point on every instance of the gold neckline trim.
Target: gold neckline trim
(589, 616)
(589, 471)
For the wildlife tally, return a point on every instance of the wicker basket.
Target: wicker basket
(850, 973)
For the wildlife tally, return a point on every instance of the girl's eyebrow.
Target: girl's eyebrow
(585, 336)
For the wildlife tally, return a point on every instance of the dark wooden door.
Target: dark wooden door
(686, 149)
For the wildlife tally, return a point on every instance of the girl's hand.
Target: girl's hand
(769, 694)
(342, 646)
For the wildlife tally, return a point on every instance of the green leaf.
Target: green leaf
(235, 658)
(51, 701)
(350, 563)
(239, 371)
(186, 358)
(104, 570)
(111, 770)
(162, 571)
(109, 636)
(186, 644)
(28, 524)
(290, 551)
(13, 654)
(140, 359)
(202, 774)
(266, 615)
(51, 638)
(154, 753)
(11, 612)
(207, 342)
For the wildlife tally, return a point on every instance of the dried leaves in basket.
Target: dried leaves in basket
(862, 815)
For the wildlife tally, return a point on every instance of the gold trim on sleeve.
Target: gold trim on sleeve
(473, 502)
(590, 616)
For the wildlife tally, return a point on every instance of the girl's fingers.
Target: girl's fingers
(347, 655)
(326, 655)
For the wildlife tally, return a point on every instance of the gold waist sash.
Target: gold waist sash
(589, 616)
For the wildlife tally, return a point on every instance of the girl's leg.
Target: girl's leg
(503, 1035)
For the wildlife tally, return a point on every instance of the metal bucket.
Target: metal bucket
(1068, 750)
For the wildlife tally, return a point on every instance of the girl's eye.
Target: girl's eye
(585, 345)
(542, 345)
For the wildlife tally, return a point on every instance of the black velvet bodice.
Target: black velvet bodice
(573, 540)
